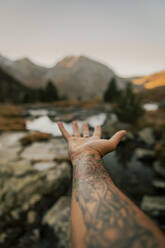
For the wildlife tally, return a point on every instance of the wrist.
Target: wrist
(81, 154)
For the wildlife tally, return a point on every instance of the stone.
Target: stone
(159, 168)
(159, 184)
(10, 146)
(46, 151)
(9, 154)
(58, 217)
(43, 165)
(11, 139)
(146, 135)
(153, 203)
(142, 153)
(34, 137)
(25, 194)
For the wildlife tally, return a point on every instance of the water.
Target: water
(150, 106)
(46, 125)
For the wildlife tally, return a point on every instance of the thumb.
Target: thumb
(116, 138)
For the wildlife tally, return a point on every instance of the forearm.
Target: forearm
(102, 216)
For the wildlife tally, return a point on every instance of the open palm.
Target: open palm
(79, 144)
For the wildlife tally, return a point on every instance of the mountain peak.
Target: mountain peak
(69, 61)
(24, 60)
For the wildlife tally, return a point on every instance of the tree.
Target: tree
(112, 92)
(51, 93)
(129, 108)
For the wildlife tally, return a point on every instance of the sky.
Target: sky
(126, 35)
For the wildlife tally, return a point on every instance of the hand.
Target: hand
(78, 145)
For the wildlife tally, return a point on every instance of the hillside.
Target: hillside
(11, 89)
(156, 94)
(24, 70)
(151, 81)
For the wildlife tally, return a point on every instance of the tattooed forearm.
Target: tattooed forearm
(110, 218)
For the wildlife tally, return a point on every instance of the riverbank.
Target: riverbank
(35, 170)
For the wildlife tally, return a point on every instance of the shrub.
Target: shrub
(112, 92)
(128, 107)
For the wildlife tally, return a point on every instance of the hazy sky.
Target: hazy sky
(128, 35)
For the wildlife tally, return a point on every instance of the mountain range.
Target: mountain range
(74, 76)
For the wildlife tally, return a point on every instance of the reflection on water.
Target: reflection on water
(44, 124)
(150, 106)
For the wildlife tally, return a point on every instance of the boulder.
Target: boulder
(58, 218)
(10, 146)
(159, 184)
(153, 203)
(26, 193)
(144, 154)
(147, 136)
(159, 168)
(55, 149)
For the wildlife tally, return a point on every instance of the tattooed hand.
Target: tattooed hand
(87, 143)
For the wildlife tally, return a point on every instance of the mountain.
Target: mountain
(80, 77)
(74, 76)
(151, 81)
(11, 90)
(24, 70)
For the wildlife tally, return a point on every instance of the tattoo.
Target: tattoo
(109, 219)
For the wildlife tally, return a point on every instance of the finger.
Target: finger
(85, 129)
(63, 130)
(116, 138)
(76, 130)
(97, 131)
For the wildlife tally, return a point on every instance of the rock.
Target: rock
(11, 139)
(58, 217)
(153, 203)
(34, 137)
(159, 184)
(9, 154)
(25, 195)
(44, 165)
(159, 168)
(10, 146)
(146, 154)
(146, 135)
(46, 151)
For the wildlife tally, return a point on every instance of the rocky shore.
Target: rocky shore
(35, 171)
